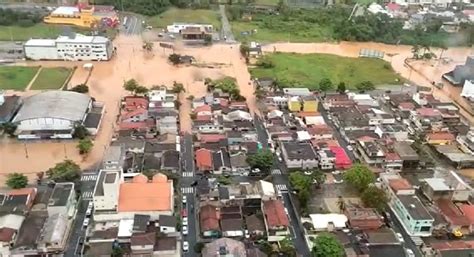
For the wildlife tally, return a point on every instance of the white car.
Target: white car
(286, 211)
(185, 221)
(185, 230)
(400, 237)
(247, 235)
(350, 148)
(410, 253)
(85, 223)
(89, 209)
(185, 246)
(308, 173)
(184, 199)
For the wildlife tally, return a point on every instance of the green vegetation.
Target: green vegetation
(133, 87)
(267, 2)
(65, 171)
(173, 15)
(51, 78)
(310, 69)
(81, 88)
(18, 33)
(262, 160)
(227, 85)
(16, 180)
(302, 184)
(332, 24)
(327, 245)
(360, 177)
(374, 197)
(16, 77)
(85, 146)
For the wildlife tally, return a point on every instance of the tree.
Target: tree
(326, 245)
(190, 98)
(9, 128)
(244, 49)
(149, 173)
(198, 247)
(81, 88)
(415, 50)
(341, 87)
(341, 204)
(318, 176)
(17, 180)
(374, 197)
(141, 90)
(85, 146)
(178, 88)
(359, 176)
(365, 86)
(130, 85)
(65, 171)
(148, 46)
(80, 132)
(117, 251)
(207, 40)
(325, 85)
(175, 59)
(224, 180)
(299, 181)
(262, 160)
(287, 247)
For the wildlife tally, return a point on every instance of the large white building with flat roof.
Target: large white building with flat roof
(75, 47)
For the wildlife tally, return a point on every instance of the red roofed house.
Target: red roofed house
(393, 161)
(134, 113)
(427, 118)
(468, 211)
(276, 220)
(203, 110)
(342, 159)
(454, 216)
(440, 138)
(204, 160)
(363, 218)
(211, 138)
(209, 220)
(321, 131)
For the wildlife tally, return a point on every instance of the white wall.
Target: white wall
(45, 124)
(83, 51)
(41, 52)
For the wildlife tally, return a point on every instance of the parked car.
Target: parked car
(410, 253)
(185, 230)
(308, 172)
(85, 223)
(247, 235)
(184, 213)
(89, 209)
(185, 221)
(400, 237)
(184, 199)
(185, 246)
(350, 148)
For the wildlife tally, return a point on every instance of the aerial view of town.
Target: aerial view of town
(237, 128)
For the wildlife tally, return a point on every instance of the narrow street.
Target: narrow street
(226, 31)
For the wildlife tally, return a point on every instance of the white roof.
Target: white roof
(321, 221)
(65, 10)
(267, 188)
(437, 184)
(11, 221)
(239, 115)
(468, 89)
(274, 114)
(299, 91)
(41, 42)
(125, 228)
(303, 135)
(314, 120)
(79, 38)
(356, 97)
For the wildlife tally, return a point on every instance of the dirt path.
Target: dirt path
(33, 79)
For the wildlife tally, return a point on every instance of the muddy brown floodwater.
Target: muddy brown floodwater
(105, 85)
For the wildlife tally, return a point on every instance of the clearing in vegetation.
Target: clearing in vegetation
(15, 77)
(51, 78)
(175, 15)
(309, 69)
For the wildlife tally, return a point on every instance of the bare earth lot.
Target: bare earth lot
(131, 62)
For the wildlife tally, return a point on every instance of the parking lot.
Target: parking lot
(11, 50)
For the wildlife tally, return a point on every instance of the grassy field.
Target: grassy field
(184, 15)
(267, 2)
(16, 78)
(309, 69)
(24, 33)
(51, 78)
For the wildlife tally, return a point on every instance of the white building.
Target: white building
(468, 89)
(75, 47)
(52, 114)
(178, 27)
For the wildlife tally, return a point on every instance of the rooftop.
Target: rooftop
(166, 244)
(405, 151)
(299, 150)
(204, 159)
(61, 194)
(275, 213)
(437, 184)
(399, 184)
(224, 247)
(9, 106)
(414, 207)
(144, 195)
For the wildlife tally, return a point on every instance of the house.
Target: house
(342, 160)
(62, 199)
(170, 161)
(224, 247)
(204, 160)
(453, 215)
(326, 159)
(10, 225)
(255, 225)
(221, 161)
(276, 220)
(461, 73)
(363, 218)
(9, 106)
(426, 119)
(167, 124)
(140, 223)
(299, 155)
(328, 221)
(167, 247)
(320, 131)
(296, 91)
(167, 224)
(407, 154)
(209, 218)
(363, 99)
(231, 221)
(196, 32)
(310, 104)
(294, 104)
(17, 201)
(142, 243)
(238, 163)
(440, 138)
(370, 150)
(446, 185)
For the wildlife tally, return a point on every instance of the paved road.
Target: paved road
(226, 30)
(397, 227)
(187, 157)
(77, 231)
(131, 25)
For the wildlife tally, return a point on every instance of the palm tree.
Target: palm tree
(178, 88)
(341, 204)
(415, 50)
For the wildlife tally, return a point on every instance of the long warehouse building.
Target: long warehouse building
(75, 47)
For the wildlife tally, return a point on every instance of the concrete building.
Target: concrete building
(75, 47)
(9, 105)
(299, 155)
(52, 114)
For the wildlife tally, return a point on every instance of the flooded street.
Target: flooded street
(105, 85)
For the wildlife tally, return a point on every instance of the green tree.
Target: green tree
(81, 88)
(178, 88)
(149, 173)
(365, 86)
(415, 50)
(341, 204)
(287, 247)
(374, 197)
(326, 245)
(141, 90)
(117, 251)
(208, 40)
(9, 128)
(198, 247)
(359, 176)
(130, 85)
(148, 46)
(80, 132)
(244, 49)
(224, 180)
(65, 171)
(341, 87)
(175, 59)
(16, 180)
(85, 146)
(325, 85)
(262, 160)
(318, 176)
(299, 181)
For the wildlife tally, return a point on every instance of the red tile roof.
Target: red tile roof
(204, 159)
(342, 160)
(6, 234)
(452, 214)
(428, 112)
(308, 114)
(440, 136)
(211, 138)
(392, 156)
(133, 125)
(126, 114)
(453, 245)
(204, 118)
(275, 213)
(135, 101)
(468, 211)
(209, 218)
(406, 106)
(321, 129)
(202, 108)
(399, 184)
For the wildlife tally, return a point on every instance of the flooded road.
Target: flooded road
(105, 85)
